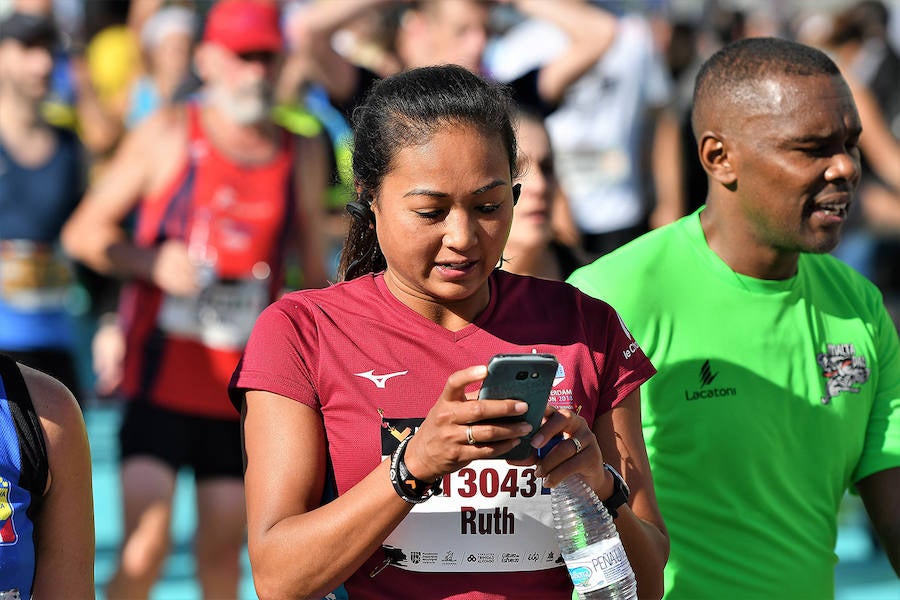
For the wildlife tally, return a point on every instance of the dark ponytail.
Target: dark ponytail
(406, 110)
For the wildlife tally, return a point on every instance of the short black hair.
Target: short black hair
(736, 70)
(29, 29)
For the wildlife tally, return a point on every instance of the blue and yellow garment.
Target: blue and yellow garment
(23, 477)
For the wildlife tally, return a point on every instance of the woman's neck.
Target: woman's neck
(451, 315)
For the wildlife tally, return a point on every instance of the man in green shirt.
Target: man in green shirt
(779, 367)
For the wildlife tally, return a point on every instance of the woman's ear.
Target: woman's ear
(361, 208)
(716, 156)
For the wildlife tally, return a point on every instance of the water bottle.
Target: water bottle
(590, 544)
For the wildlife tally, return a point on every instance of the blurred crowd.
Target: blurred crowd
(604, 90)
(620, 131)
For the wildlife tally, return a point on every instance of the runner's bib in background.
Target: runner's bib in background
(221, 316)
(34, 276)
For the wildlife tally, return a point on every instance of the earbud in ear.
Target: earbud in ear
(360, 211)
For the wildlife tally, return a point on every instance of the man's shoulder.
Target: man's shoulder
(156, 147)
(650, 252)
(827, 271)
(165, 126)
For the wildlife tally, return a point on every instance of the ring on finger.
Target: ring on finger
(577, 444)
(469, 437)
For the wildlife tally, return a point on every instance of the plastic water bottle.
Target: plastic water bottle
(590, 544)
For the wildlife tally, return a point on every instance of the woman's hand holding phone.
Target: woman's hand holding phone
(526, 377)
(441, 444)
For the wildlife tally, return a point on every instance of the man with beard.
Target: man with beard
(219, 193)
(779, 366)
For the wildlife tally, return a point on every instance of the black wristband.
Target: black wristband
(407, 486)
(620, 492)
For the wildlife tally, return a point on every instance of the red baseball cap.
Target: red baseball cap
(245, 26)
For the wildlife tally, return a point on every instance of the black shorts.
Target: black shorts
(211, 447)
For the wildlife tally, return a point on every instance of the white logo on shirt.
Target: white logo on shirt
(379, 380)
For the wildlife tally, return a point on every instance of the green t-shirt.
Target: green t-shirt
(772, 398)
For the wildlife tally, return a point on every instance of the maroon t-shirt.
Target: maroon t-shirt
(373, 368)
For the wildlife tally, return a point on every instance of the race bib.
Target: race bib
(221, 316)
(34, 276)
(490, 516)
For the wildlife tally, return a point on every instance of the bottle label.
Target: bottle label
(598, 565)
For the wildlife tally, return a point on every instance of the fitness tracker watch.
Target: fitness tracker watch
(620, 492)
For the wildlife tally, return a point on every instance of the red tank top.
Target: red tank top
(234, 218)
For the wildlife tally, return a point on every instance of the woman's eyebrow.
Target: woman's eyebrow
(435, 194)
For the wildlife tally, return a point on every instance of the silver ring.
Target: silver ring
(577, 444)
(469, 436)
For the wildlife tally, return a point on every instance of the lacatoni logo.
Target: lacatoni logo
(706, 377)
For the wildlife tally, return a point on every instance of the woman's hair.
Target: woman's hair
(406, 110)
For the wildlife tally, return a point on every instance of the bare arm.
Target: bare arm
(311, 179)
(881, 207)
(591, 31)
(620, 442)
(285, 449)
(642, 529)
(314, 30)
(94, 233)
(564, 226)
(65, 524)
(665, 158)
(881, 148)
(880, 493)
(285, 469)
(99, 128)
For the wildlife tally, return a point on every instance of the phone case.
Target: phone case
(527, 377)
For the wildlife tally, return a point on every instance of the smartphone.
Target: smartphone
(526, 377)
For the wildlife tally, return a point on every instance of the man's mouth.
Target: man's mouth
(837, 209)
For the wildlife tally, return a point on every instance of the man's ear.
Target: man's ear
(715, 155)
